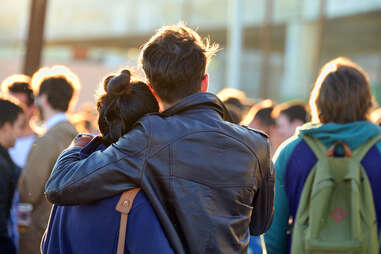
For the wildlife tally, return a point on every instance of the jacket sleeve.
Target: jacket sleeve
(41, 159)
(264, 197)
(102, 174)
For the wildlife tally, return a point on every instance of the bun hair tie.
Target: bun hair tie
(119, 84)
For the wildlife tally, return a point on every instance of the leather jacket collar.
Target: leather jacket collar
(198, 100)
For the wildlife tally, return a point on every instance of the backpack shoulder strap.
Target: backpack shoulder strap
(316, 146)
(124, 206)
(360, 152)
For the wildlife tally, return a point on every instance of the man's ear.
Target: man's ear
(205, 83)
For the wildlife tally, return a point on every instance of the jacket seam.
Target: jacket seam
(96, 169)
(197, 180)
(147, 151)
(196, 132)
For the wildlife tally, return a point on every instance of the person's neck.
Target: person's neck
(165, 105)
(49, 113)
(27, 131)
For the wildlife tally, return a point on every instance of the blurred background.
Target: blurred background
(271, 48)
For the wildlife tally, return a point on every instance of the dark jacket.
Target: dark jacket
(208, 180)
(8, 179)
(72, 229)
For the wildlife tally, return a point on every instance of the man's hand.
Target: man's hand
(81, 140)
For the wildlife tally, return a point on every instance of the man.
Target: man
(11, 122)
(209, 181)
(336, 118)
(236, 103)
(55, 88)
(19, 86)
(289, 116)
(260, 118)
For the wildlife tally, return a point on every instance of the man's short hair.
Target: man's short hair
(341, 93)
(262, 112)
(10, 108)
(235, 97)
(175, 61)
(293, 110)
(59, 84)
(19, 83)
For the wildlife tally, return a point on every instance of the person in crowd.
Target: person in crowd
(288, 117)
(260, 118)
(210, 182)
(19, 87)
(11, 125)
(71, 229)
(56, 88)
(337, 116)
(236, 102)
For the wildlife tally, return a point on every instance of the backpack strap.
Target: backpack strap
(316, 146)
(124, 206)
(361, 151)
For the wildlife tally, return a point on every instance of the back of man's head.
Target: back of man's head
(259, 116)
(293, 110)
(19, 85)
(59, 84)
(175, 61)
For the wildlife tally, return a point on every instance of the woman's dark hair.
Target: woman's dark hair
(341, 93)
(123, 103)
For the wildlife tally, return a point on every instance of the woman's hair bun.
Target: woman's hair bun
(119, 84)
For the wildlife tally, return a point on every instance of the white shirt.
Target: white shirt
(19, 153)
(54, 120)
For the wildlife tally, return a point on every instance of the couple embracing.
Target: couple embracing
(206, 184)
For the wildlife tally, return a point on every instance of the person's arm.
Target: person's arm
(102, 174)
(264, 197)
(37, 170)
(276, 237)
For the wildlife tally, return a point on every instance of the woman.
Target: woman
(341, 101)
(94, 228)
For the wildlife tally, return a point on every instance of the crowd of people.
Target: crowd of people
(193, 172)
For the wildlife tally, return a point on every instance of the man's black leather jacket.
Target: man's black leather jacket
(210, 182)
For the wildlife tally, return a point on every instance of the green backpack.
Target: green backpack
(336, 211)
